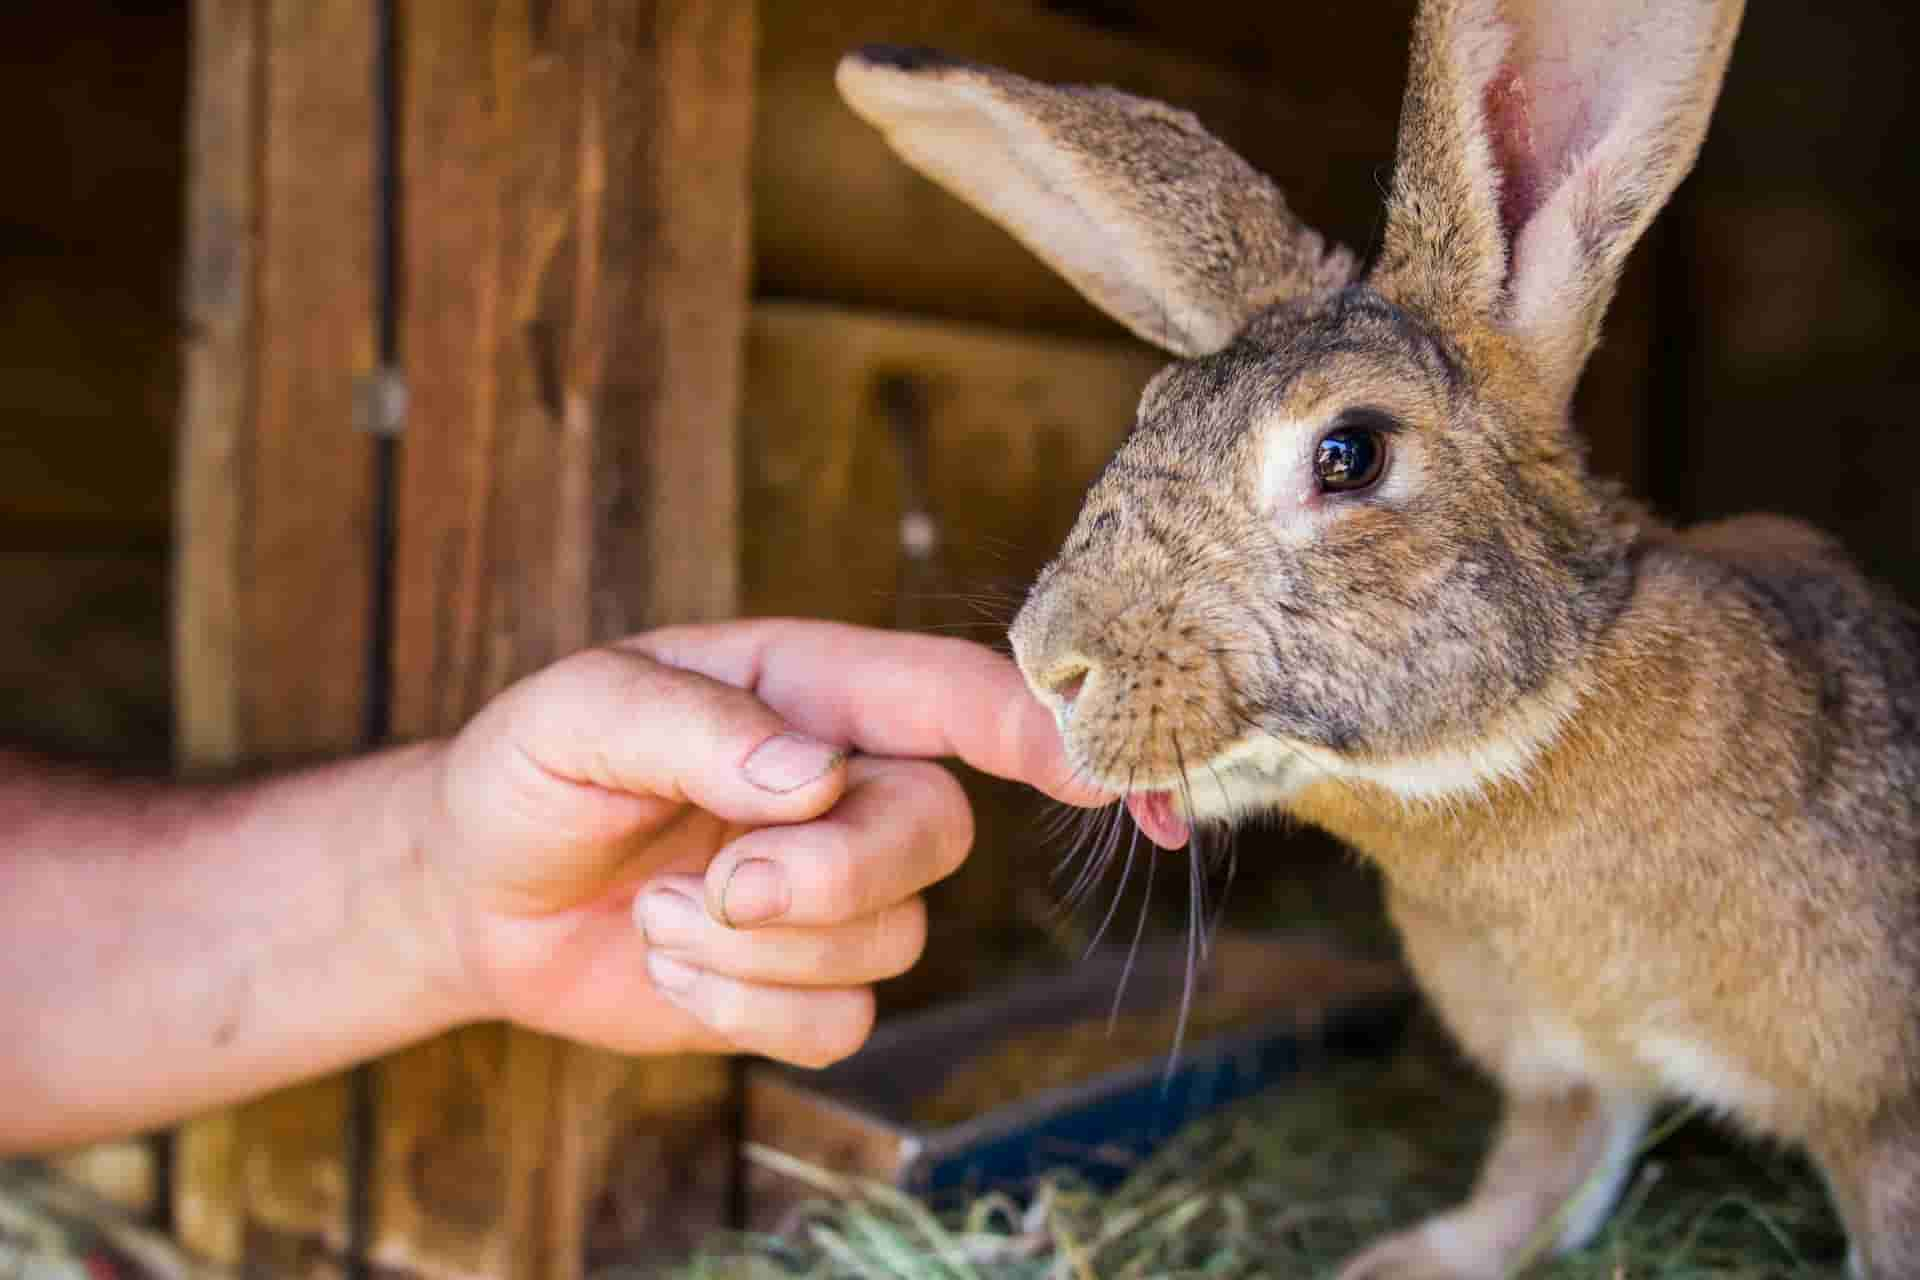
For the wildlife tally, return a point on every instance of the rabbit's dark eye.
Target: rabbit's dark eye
(1349, 458)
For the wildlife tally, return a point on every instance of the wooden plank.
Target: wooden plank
(838, 217)
(576, 247)
(311, 472)
(1009, 430)
(1016, 426)
(274, 499)
(216, 411)
(216, 417)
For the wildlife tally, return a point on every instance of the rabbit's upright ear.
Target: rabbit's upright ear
(1143, 211)
(1538, 140)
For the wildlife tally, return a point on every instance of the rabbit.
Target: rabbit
(1645, 800)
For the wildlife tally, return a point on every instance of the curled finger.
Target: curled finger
(806, 1026)
(872, 948)
(900, 826)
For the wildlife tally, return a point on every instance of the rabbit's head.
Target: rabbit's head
(1351, 532)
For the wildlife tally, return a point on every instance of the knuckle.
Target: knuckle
(950, 826)
(942, 817)
(579, 694)
(838, 874)
(593, 673)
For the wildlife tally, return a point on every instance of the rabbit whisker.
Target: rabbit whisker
(1084, 841)
(1196, 909)
(1120, 891)
(1232, 859)
(1139, 930)
(1100, 857)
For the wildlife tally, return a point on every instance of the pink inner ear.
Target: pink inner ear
(1510, 126)
(1565, 79)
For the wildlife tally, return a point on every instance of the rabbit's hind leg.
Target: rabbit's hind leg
(1874, 1173)
(1552, 1178)
(1566, 1143)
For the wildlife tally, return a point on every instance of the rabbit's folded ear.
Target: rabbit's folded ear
(1142, 210)
(1538, 140)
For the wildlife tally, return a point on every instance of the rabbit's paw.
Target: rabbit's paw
(1421, 1254)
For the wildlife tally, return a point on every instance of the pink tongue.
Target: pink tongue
(1154, 812)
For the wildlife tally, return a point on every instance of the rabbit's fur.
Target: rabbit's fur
(1647, 802)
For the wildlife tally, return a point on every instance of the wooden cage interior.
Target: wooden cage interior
(683, 340)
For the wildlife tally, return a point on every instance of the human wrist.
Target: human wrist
(426, 926)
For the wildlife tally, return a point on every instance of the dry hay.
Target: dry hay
(1284, 1186)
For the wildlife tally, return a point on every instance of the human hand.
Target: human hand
(663, 846)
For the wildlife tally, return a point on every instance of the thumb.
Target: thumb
(627, 723)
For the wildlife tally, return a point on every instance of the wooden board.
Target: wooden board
(852, 419)
(576, 247)
(271, 634)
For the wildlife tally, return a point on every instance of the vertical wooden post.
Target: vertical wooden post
(272, 580)
(574, 274)
(576, 281)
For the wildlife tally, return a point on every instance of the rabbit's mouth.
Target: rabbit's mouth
(1254, 776)
(1157, 815)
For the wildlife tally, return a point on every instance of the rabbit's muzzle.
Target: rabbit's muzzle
(1148, 704)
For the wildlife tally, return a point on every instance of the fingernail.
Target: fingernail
(669, 975)
(667, 917)
(755, 892)
(788, 761)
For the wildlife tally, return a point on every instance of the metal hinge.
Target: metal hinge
(380, 402)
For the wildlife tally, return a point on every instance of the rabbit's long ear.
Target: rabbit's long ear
(1538, 140)
(1142, 210)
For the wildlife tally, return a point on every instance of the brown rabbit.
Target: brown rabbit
(1647, 802)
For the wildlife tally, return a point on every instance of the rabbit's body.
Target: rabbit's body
(1689, 890)
(1707, 887)
(1647, 803)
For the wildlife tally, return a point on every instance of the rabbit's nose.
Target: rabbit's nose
(1067, 682)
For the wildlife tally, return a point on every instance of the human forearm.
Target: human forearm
(165, 949)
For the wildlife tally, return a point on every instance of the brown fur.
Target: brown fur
(1647, 802)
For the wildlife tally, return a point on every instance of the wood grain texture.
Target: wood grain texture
(576, 247)
(218, 354)
(216, 415)
(273, 577)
